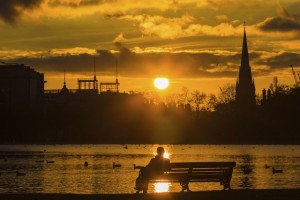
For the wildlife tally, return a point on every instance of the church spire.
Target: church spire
(64, 78)
(245, 87)
(64, 90)
(245, 55)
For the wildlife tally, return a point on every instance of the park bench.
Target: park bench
(187, 172)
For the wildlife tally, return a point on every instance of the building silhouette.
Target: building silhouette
(20, 84)
(64, 89)
(110, 87)
(88, 86)
(245, 87)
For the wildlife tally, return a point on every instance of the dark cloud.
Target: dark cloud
(132, 64)
(116, 15)
(176, 65)
(79, 4)
(125, 53)
(280, 24)
(82, 64)
(11, 10)
(281, 61)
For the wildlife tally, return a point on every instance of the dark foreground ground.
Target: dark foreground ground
(289, 194)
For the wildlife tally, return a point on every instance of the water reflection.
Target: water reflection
(245, 183)
(247, 178)
(69, 175)
(161, 187)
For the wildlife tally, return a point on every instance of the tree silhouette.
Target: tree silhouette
(198, 99)
(227, 94)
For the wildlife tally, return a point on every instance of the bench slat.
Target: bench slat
(191, 181)
(200, 170)
(177, 177)
(202, 164)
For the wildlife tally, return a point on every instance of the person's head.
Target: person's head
(160, 151)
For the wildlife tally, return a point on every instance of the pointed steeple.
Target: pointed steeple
(64, 79)
(94, 68)
(64, 90)
(245, 87)
(245, 55)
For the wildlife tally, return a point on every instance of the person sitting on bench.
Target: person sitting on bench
(156, 167)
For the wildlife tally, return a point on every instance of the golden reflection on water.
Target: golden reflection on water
(69, 175)
(161, 187)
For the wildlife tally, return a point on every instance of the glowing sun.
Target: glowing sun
(161, 83)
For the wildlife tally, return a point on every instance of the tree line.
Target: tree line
(185, 117)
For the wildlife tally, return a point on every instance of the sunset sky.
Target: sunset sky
(195, 43)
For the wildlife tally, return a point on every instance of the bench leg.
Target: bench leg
(141, 184)
(227, 186)
(187, 189)
(145, 190)
(142, 187)
(185, 186)
(145, 187)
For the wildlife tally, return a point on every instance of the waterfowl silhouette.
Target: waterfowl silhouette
(116, 165)
(20, 173)
(86, 164)
(267, 166)
(276, 170)
(49, 161)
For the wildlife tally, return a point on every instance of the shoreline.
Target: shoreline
(230, 144)
(248, 194)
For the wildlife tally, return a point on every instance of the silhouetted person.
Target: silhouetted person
(158, 164)
(156, 167)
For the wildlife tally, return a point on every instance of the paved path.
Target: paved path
(283, 194)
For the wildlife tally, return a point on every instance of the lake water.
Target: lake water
(69, 175)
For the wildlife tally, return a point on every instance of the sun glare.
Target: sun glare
(161, 83)
(166, 155)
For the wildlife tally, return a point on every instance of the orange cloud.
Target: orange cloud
(72, 51)
(11, 54)
(120, 38)
(187, 26)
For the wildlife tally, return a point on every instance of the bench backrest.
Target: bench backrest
(203, 165)
(199, 171)
(186, 172)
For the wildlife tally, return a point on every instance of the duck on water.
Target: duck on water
(115, 165)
